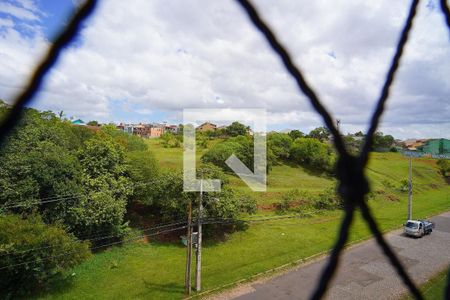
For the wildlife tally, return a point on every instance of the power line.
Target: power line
(144, 229)
(97, 247)
(38, 201)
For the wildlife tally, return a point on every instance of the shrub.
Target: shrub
(287, 200)
(444, 166)
(404, 185)
(34, 253)
(329, 200)
(169, 140)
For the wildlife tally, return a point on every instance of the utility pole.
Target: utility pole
(187, 279)
(198, 273)
(410, 189)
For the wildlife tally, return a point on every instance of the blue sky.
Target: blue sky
(146, 61)
(52, 15)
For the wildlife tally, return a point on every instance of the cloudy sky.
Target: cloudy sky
(142, 61)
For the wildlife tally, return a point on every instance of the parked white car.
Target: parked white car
(418, 228)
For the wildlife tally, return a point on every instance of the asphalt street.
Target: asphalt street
(364, 272)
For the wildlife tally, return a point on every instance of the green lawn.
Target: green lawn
(434, 288)
(156, 271)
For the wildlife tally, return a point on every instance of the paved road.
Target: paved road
(364, 272)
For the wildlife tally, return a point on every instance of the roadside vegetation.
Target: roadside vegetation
(434, 288)
(94, 194)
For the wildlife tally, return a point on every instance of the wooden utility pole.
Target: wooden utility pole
(187, 279)
(198, 271)
(410, 190)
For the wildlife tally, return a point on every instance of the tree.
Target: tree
(84, 172)
(106, 185)
(320, 133)
(34, 253)
(220, 152)
(236, 129)
(128, 141)
(353, 145)
(93, 123)
(170, 200)
(202, 140)
(143, 170)
(38, 162)
(280, 144)
(381, 141)
(312, 153)
(295, 134)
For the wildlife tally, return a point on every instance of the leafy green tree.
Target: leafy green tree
(202, 140)
(93, 123)
(312, 153)
(107, 187)
(34, 253)
(171, 202)
(382, 142)
(128, 141)
(220, 152)
(280, 144)
(353, 146)
(320, 133)
(38, 162)
(143, 170)
(236, 129)
(295, 134)
(68, 174)
(169, 140)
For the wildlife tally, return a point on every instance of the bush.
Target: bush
(444, 166)
(404, 185)
(287, 200)
(45, 251)
(329, 200)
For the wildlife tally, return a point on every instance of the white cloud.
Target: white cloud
(19, 12)
(160, 55)
(6, 23)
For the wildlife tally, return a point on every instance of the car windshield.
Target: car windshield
(411, 225)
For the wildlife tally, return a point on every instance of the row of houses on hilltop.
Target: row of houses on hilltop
(428, 146)
(152, 130)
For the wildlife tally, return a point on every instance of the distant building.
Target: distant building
(78, 122)
(207, 126)
(155, 132)
(435, 146)
(171, 128)
(414, 144)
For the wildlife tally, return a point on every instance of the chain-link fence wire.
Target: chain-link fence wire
(353, 185)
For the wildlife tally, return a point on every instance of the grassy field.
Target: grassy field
(156, 270)
(434, 288)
